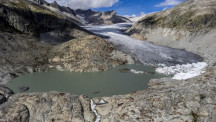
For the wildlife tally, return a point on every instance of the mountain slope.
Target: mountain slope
(34, 38)
(61, 10)
(191, 15)
(31, 17)
(190, 25)
(98, 18)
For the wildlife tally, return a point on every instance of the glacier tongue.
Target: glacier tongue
(143, 52)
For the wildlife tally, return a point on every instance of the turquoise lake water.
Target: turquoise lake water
(93, 84)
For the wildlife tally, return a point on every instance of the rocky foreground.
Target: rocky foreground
(38, 107)
(166, 100)
(190, 100)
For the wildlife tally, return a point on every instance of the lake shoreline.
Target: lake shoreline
(157, 87)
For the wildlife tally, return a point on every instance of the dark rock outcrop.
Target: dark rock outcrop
(33, 18)
(23, 88)
(2, 99)
(6, 92)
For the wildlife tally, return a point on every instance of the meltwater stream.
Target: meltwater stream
(143, 52)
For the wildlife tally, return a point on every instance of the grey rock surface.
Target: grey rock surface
(165, 100)
(53, 106)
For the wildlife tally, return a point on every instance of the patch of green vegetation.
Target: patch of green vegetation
(40, 9)
(20, 4)
(174, 20)
(187, 21)
(195, 117)
(207, 20)
(33, 7)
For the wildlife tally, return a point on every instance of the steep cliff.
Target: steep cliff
(32, 18)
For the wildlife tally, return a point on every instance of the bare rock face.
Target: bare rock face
(48, 107)
(98, 18)
(35, 18)
(18, 113)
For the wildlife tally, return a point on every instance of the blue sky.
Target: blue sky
(136, 7)
(123, 7)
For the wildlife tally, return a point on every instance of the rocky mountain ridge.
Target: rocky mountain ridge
(98, 18)
(61, 10)
(83, 17)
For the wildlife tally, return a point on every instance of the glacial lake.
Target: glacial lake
(117, 81)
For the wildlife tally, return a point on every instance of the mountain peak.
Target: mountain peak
(112, 12)
(99, 18)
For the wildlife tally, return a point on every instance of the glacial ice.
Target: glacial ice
(185, 71)
(143, 52)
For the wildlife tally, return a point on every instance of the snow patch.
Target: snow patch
(161, 65)
(136, 72)
(93, 106)
(102, 102)
(185, 71)
(82, 19)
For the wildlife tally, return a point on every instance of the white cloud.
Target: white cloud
(86, 4)
(135, 18)
(169, 3)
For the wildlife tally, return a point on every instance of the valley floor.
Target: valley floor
(165, 100)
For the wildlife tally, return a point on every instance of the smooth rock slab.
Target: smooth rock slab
(52, 106)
